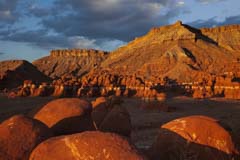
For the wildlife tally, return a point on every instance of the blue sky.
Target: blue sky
(29, 29)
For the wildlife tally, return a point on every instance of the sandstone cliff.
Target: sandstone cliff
(180, 52)
(70, 62)
(14, 72)
(227, 37)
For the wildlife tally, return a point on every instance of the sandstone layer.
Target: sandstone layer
(14, 72)
(179, 52)
(72, 62)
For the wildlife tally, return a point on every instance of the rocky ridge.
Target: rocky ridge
(177, 51)
(14, 72)
(176, 58)
(70, 62)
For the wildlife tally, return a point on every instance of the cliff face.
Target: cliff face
(179, 52)
(78, 53)
(72, 62)
(14, 72)
(176, 58)
(227, 37)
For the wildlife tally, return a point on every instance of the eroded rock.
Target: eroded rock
(66, 115)
(193, 137)
(19, 135)
(84, 146)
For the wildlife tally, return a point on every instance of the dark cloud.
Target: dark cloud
(41, 38)
(208, 1)
(116, 19)
(102, 24)
(8, 13)
(1, 53)
(213, 22)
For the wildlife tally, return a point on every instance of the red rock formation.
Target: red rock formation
(72, 62)
(177, 51)
(226, 36)
(86, 145)
(13, 73)
(193, 137)
(19, 135)
(176, 58)
(66, 115)
(109, 116)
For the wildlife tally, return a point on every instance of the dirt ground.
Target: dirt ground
(145, 122)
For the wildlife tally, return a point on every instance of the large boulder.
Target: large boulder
(109, 116)
(117, 120)
(66, 115)
(19, 135)
(195, 138)
(86, 146)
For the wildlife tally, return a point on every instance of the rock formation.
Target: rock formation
(66, 116)
(72, 62)
(109, 116)
(19, 135)
(193, 137)
(176, 59)
(84, 146)
(14, 72)
(226, 36)
(177, 51)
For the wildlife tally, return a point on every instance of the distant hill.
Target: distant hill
(73, 62)
(14, 72)
(179, 52)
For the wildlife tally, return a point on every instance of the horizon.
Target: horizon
(30, 29)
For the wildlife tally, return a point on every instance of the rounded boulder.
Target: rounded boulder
(193, 137)
(19, 135)
(110, 116)
(66, 115)
(84, 146)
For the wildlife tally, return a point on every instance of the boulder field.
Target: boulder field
(72, 128)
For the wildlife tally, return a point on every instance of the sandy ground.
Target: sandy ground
(145, 122)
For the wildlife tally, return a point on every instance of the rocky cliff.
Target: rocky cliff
(180, 52)
(14, 72)
(70, 62)
(227, 37)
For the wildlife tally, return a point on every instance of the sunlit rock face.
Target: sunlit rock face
(193, 137)
(202, 63)
(72, 62)
(226, 36)
(179, 52)
(86, 145)
(19, 135)
(66, 116)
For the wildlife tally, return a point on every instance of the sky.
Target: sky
(29, 29)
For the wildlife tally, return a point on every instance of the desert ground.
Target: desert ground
(146, 121)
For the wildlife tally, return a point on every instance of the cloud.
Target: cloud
(100, 24)
(42, 39)
(117, 19)
(212, 22)
(208, 1)
(8, 13)
(1, 53)
(180, 3)
(109, 45)
(81, 42)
